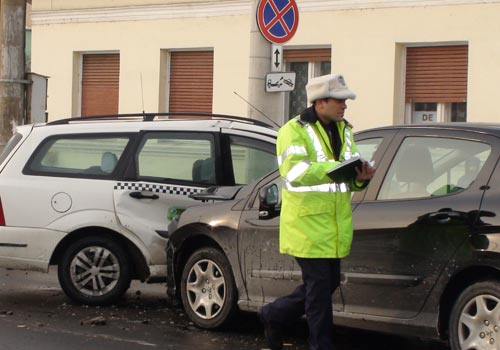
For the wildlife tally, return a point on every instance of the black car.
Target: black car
(425, 260)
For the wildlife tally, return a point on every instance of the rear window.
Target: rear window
(14, 140)
(77, 156)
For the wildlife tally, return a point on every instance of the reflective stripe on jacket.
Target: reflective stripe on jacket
(316, 216)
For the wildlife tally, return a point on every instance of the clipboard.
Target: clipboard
(345, 171)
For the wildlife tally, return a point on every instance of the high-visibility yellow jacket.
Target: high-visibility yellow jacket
(316, 215)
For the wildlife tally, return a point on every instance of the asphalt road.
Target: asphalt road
(35, 314)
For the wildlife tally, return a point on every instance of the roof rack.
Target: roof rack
(149, 117)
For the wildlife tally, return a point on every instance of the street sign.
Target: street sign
(279, 82)
(278, 19)
(276, 58)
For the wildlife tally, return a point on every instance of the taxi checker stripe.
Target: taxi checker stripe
(139, 186)
(291, 150)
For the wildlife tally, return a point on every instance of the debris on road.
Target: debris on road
(95, 321)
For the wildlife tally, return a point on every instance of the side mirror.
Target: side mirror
(269, 200)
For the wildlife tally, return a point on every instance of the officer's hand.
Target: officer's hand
(366, 172)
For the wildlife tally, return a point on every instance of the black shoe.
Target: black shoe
(273, 335)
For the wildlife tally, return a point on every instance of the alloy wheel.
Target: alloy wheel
(95, 271)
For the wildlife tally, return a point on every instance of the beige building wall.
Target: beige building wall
(365, 48)
(367, 44)
(140, 44)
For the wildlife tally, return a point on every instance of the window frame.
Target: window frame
(383, 160)
(313, 70)
(82, 90)
(36, 154)
(9, 147)
(250, 143)
(132, 170)
(378, 157)
(444, 108)
(443, 112)
(446, 171)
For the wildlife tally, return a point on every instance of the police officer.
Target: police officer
(316, 217)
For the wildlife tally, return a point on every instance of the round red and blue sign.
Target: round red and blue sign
(278, 19)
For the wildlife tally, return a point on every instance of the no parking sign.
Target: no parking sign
(278, 19)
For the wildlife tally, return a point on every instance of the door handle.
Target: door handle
(139, 195)
(440, 217)
(444, 217)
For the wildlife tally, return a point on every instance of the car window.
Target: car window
(78, 155)
(431, 166)
(177, 156)
(367, 147)
(251, 159)
(13, 141)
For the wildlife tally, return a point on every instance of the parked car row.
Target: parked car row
(92, 195)
(425, 260)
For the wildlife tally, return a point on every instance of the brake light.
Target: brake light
(2, 217)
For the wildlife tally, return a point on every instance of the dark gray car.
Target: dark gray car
(425, 260)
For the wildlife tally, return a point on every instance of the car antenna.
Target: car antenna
(272, 121)
(142, 95)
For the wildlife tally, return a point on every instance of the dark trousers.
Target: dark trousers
(313, 298)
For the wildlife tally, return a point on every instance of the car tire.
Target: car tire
(94, 271)
(474, 321)
(208, 290)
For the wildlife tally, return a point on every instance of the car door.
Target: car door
(413, 217)
(269, 274)
(166, 167)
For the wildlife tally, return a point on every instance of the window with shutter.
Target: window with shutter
(436, 83)
(191, 81)
(100, 84)
(306, 63)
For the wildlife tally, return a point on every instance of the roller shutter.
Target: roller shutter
(436, 74)
(100, 84)
(191, 81)
(310, 55)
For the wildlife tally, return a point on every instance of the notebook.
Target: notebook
(345, 171)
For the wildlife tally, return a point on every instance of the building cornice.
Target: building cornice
(218, 9)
